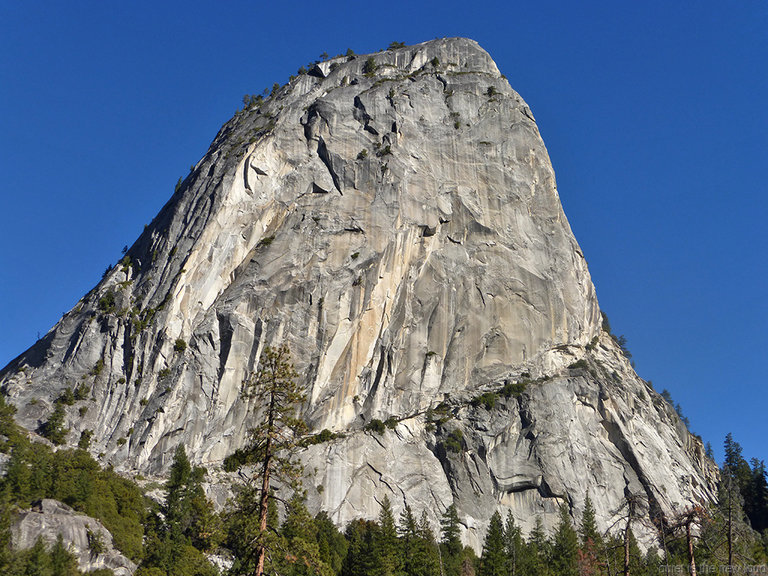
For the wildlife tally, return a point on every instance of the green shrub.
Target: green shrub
(363, 154)
(435, 62)
(513, 389)
(97, 368)
(85, 439)
(67, 397)
(454, 442)
(355, 255)
(488, 400)
(439, 415)
(82, 411)
(396, 45)
(95, 542)
(265, 241)
(579, 365)
(370, 67)
(53, 429)
(107, 302)
(126, 263)
(180, 345)
(81, 391)
(391, 422)
(141, 319)
(323, 436)
(164, 373)
(376, 426)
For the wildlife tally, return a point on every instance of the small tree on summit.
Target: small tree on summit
(273, 443)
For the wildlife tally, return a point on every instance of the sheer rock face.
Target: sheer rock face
(401, 231)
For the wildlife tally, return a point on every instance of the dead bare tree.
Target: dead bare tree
(627, 513)
(685, 522)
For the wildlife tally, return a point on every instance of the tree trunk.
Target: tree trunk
(691, 559)
(626, 543)
(264, 500)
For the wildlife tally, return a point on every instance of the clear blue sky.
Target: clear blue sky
(655, 115)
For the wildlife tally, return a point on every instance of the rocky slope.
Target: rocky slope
(49, 518)
(394, 219)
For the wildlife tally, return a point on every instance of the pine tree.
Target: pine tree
(538, 551)
(331, 543)
(736, 465)
(272, 447)
(565, 545)
(450, 542)
(301, 555)
(756, 505)
(408, 532)
(493, 561)
(514, 546)
(591, 549)
(6, 511)
(188, 525)
(385, 542)
(420, 554)
(726, 534)
(63, 562)
(360, 559)
(36, 560)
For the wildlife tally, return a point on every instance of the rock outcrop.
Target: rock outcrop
(49, 518)
(394, 219)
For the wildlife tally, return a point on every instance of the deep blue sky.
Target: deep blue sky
(655, 115)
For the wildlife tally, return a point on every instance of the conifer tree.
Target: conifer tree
(408, 532)
(450, 542)
(565, 545)
(272, 446)
(591, 541)
(736, 464)
(36, 560)
(493, 561)
(538, 551)
(756, 506)
(301, 554)
(426, 553)
(360, 559)
(63, 562)
(385, 543)
(6, 554)
(188, 512)
(331, 543)
(514, 546)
